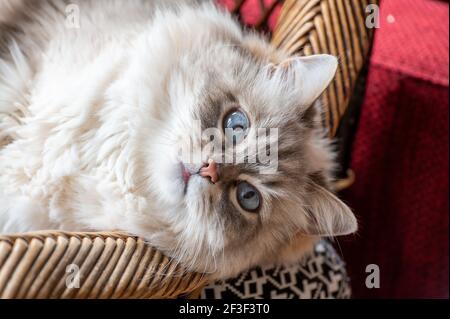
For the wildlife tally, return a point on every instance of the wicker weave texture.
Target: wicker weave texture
(109, 265)
(336, 27)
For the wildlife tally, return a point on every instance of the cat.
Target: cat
(97, 98)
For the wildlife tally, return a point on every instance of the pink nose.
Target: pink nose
(210, 171)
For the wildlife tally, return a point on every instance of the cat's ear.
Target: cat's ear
(327, 215)
(309, 76)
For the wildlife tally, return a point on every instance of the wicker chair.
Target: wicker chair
(117, 265)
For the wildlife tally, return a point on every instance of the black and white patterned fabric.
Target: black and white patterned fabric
(318, 276)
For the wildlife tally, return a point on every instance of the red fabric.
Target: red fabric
(401, 157)
(252, 11)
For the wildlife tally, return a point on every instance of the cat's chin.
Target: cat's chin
(178, 185)
(195, 187)
(192, 183)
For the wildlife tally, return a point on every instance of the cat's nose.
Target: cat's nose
(210, 170)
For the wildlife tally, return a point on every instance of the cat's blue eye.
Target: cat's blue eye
(248, 197)
(236, 123)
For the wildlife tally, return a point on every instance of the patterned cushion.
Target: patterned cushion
(319, 275)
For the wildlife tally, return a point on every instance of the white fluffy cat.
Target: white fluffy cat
(92, 118)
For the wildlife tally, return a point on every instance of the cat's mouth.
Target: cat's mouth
(190, 170)
(187, 171)
(185, 174)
